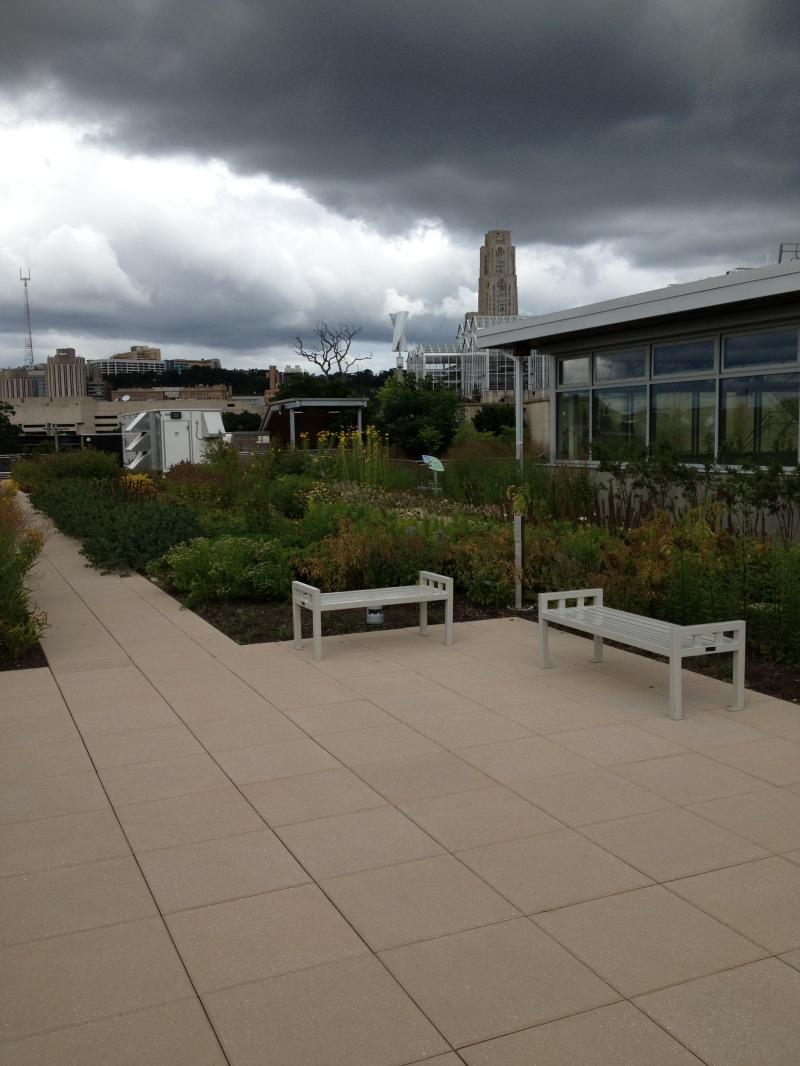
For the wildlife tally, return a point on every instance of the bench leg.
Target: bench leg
(675, 687)
(598, 650)
(317, 623)
(738, 681)
(544, 658)
(297, 625)
(448, 619)
(423, 618)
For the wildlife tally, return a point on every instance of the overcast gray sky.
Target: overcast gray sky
(216, 176)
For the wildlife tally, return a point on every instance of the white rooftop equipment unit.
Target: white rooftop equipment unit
(159, 440)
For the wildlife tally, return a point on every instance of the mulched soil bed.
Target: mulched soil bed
(255, 623)
(33, 657)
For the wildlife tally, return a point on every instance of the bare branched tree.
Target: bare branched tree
(331, 353)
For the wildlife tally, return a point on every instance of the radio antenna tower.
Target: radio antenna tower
(25, 278)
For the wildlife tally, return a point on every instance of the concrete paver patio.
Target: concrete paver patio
(407, 852)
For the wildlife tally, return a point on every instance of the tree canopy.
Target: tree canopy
(359, 383)
(9, 434)
(494, 418)
(242, 382)
(417, 417)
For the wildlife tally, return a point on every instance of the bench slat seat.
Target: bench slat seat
(430, 589)
(342, 601)
(588, 615)
(640, 632)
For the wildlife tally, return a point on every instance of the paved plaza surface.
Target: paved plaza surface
(404, 853)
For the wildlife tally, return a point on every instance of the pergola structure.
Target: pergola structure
(280, 419)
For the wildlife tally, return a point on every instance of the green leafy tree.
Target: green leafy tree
(495, 418)
(243, 421)
(9, 434)
(417, 417)
(358, 383)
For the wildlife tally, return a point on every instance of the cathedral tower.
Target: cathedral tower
(497, 284)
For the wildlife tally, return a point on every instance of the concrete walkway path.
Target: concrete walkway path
(406, 852)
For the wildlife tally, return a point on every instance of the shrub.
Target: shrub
(76, 507)
(130, 535)
(199, 485)
(479, 471)
(288, 494)
(481, 561)
(497, 419)
(21, 623)
(118, 532)
(230, 568)
(87, 465)
(380, 550)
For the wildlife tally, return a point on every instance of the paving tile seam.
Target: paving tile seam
(631, 997)
(157, 914)
(585, 1013)
(302, 865)
(148, 888)
(83, 929)
(50, 817)
(721, 921)
(10, 1041)
(312, 879)
(502, 784)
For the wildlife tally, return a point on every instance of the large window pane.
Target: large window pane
(761, 349)
(687, 357)
(759, 418)
(574, 371)
(620, 419)
(572, 425)
(682, 416)
(617, 366)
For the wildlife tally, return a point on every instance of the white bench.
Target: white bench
(431, 588)
(583, 610)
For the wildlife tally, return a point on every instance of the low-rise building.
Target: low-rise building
(710, 368)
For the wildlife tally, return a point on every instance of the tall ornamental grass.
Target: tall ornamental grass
(21, 622)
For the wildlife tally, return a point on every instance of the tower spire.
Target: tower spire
(497, 283)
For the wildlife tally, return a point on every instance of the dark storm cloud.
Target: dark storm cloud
(654, 123)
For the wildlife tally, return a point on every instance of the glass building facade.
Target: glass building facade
(733, 396)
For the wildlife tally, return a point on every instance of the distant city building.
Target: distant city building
(175, 392)
(17, 383)
(66, 374)
(100, 368)
(179, 365)
(478, 374)
(139, 353)
(497, 283)
(144, 360)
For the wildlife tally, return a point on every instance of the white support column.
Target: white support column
(423, 617)
(316, 609)
(675, 677)
(292, 437)
(738, 674)
(544, 658)
(297, 625)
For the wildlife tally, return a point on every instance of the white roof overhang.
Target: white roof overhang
(739, 286)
